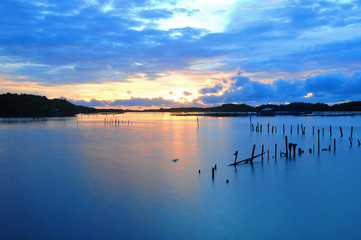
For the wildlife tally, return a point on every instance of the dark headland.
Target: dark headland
(27, 105)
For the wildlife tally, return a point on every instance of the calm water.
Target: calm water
(83, 179)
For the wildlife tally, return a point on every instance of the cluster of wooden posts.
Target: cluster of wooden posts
(115, 121)
(290, 148)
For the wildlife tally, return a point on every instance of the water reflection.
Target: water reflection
(88, 179)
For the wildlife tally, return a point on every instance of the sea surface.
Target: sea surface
(136, 176)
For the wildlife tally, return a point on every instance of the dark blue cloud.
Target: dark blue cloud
(217, 88)
(330, 87)
(186, 93)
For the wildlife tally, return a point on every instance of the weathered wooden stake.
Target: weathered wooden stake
(341, 132)
(291, 129)
(298, 129)
(250, 123)
(254, 148)
(272, 128)
(262, 151)
(350, 141)
(267, 127)
(235, 159)
(359, 143)
(313, 130)
(276, 151)
(268, 154)
(261, 127)
(351, 131)
(323, 132)
(283, 129)
(299, 151)
(212, 173)
(318, 133)
(286, 146)
(334, 144)
(294, 149)
(330, 131)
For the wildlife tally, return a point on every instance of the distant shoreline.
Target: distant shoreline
(33, 106)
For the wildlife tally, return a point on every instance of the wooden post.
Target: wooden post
(268, 154)
(291, 129)
(283, 128)
(286, 146)
(267, 127)
(350, 141)
(262, 151)
(341, 131)
(313, 130)
(272, 128)
(276, 151)
(359, 143)
(250, 123)
(235, 159)
(318, 133)
(254, 148)
(330, 131)
(294, 149)
(261, 127)
(334, 144)
(290, 148)
(351, 131)
(298, 129)
(212, 173)
(323, 132)
(299, 151)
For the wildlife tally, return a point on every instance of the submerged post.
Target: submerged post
(286, 146)
(350, 141)
(262, 151)
(276, 151)
(341, 131)
(313, 130)
(318, 133)
(252, 157)
(235, 159)
(298, 129)
(334, 144)
(351, 131)
(330, 131)
(291, 129)
(323, 132)
(283, 128)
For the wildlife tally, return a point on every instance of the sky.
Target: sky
(142, 54)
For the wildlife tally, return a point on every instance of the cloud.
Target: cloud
(330, 87)
(72, 42)
(217, 88)
(186, 93)
(132, 102)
